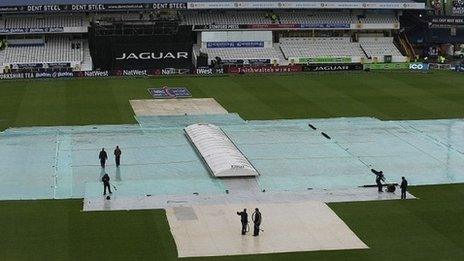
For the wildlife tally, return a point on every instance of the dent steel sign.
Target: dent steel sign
(304, 5)
(55, 8)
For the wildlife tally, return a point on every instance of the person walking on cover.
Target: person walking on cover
(103, 157)
(257, 218)
(117, 156)
(106, 184)
(244, 219)
(404, 187)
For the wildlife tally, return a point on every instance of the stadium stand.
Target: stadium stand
(313, 47)
(55, 49)
(376, 46)
(375, 18)
(305, 33)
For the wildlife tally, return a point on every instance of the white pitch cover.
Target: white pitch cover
(219, 152)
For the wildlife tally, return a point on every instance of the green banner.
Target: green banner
(386, 66)
(325, 60)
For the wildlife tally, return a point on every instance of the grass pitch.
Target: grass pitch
(430, 228)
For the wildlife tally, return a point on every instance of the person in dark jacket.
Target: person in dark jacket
(404, 187)
(106, 184)
(244, 219)
(378, 179)
(103, 157)
(257, 218)
(117, 156)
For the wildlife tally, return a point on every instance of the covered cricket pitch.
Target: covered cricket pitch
(296, 159)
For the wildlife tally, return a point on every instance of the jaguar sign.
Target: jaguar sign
(332, 67)
(153, 56)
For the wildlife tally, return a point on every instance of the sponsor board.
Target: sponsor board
(386, 66)
(325, 26)
(169, 92)
(174, 71)
(332, 67)
(105, 6)
(58, 65)
(31, 30)
(134, 72)
(419, 66)
(246, 61)
(235, 44)
(90, 7)
(303, 5)
(92, 74)
(324, 60)
(54, 75)
(221, 27)
(216, 27)
(208, 71)
(154, 57)
(446, 22)
(8, 76)
(397, 66)
(264, 69)
(37, 75)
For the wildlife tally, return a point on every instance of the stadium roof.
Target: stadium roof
(67, 2)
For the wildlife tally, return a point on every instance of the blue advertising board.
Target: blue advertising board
(169, 93)
(419, 66)
(247, 44)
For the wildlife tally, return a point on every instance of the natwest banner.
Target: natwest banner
(208, 71)
(264, 69)
(92, 74)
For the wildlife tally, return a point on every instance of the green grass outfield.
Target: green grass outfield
(431, 228)
(106, 100)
